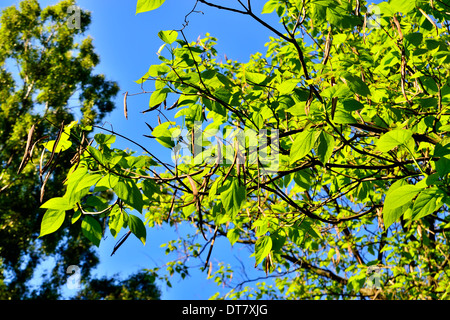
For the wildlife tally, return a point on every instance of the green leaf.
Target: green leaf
(303, 144)
(445, 128)
(443, 165)
(254, 77)
(149, 188)
(97, 202)
(58, 203)
(287, 86)
(154, 71)
(214, 106)
(398, 200)
(148, 5)
(87, 181)
(442, 148)
(325, 147)
(116, 221)
(92, 229)
(319, 11)
(109, 181)
(270, 6)
(137, 227)
(76, 216)
(107, 139)
(72, 183)
(357, 85)
(308, 228)
(414, 38)
(392, 139)
(136, 161)
(168, 36)
(63, 144)
(297, 109)
(402, 5)
(158, 97)
(427, 202)
(343, 117)
(96, 154)
(303, 179)
(233, 235)
(163, 135)
(278, 241)
(52, 221)
(352, 105)
(400, 196)
(128, 191)
(262, 248)
(233, 196)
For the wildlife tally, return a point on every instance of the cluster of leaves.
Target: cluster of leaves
(361, 105)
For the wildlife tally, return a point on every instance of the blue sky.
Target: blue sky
(127, 45)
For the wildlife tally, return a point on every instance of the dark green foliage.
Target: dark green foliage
(43, 65)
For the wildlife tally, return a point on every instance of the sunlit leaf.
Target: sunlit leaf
(52, 221)
(233, 196)
(263, 247)
(148, 5)
(393, 139)
(303, 144)
(168, 36)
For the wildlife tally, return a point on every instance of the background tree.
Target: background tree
(139, 286)
(358, 204)
(47, 79)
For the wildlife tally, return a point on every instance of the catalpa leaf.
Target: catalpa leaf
(398, 200)
(262, 248)
(254, 77)
(325, 147)
(87, 181)
(107, 139)
(128, 191)
(392, 139)
(158, 97)
(402, 5)
(427, 202)
(148, 5)
(52, 221)
(443, 166)
(116, 221)
(287, 86)
(270, 6)
(137, 227)
(400, 196)
(233, 196)
(357, 85)
(58, 203)
(303, 144)
(92, 229)
(168, 36)
(233, 235)
(164, 135)
(109, 181)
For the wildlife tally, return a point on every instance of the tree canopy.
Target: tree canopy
(327, 155)
(47, 80)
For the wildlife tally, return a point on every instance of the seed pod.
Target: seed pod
(125, 110)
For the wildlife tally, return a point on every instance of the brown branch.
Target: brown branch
(302, 263)
(222, 7)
